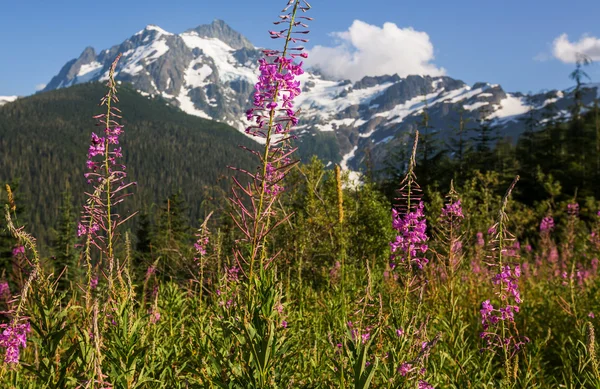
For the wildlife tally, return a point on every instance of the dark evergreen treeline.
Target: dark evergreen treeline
(43, 142)
(562, 149)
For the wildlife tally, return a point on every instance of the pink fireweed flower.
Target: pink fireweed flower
(277, 81)
(201, 244)
(13, 338)
(480, 240)
(573, 209)
(453, 210)
(410, 243)
(425, 385)
(4, 289)
(154, 315)
(233, 274)
(510, 297)
(553, 255)
(547, 224)
(405, 368)
(150, 271)
(272, 117)
(19, 250)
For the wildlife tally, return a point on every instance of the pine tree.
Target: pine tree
(7, 242)
(484, 139)
(65, 254)
(458, 144)
(578, 75)
(429, 154)
(143, 245)
(576, 140)
(173, 236)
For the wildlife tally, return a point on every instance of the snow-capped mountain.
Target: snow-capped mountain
(7, 99)
(210, 71)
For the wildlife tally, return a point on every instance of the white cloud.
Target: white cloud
(368, 50)
(40, 87)
(567, 51)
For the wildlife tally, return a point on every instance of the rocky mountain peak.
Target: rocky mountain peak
(222, 31)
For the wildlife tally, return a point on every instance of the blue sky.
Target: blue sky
(508, 42)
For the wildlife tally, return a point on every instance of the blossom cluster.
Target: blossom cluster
(573, 209)
(13, 338)
(19, 250)
(100, 146)
(276, 90)
(273, 177)
(547, 224)
(201, 244)
(509, 294)
(412, 237)
(4, 289)
(356, 334)
(453, 210)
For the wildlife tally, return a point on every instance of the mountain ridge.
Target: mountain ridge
(210, 70)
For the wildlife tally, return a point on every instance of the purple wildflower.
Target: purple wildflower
(573, 209)
(19, 250)
(154, 316)
(480, 240)
(547, 224)
(233, 274)
(277, 81)
(425, 385)
(411, 240)
(453, 210)
(201, 244)
(507, 279)
(4, 289)
(405, 368)
(13, 338)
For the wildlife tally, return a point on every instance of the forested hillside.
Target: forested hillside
(165, 150)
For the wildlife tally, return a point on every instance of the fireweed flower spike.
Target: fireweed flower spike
(449, 231)
(14, 334)
(107, 173)
(409, 221)
(273, 116)
(499, 329)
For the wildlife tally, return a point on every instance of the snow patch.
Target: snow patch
(197, 77)
(143, 55)
(187, 106)
(474, 106)
(88, 72)
(152, 27)
(329, 126)
(510, 107)
(222, 55)
(322, 103)
(401, 111)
